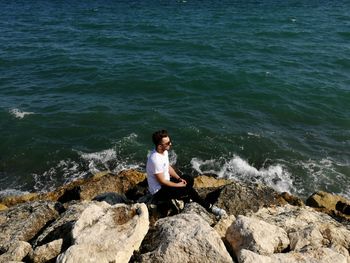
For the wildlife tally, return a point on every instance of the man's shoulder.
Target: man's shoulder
(154, 155)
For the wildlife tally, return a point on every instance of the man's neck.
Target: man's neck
(160, 151)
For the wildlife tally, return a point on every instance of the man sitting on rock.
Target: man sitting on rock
(163, 181)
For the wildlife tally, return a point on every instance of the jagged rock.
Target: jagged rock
(257, 236)
(205, 181)
(209, 188)
(111, 183)
(307, 228)
(241, 198)
(334, 205)
(3, 207)
(321, 255)
(25, 221)
(183, 238)
(84, 189)
(195, 208)
(16, 251)
(222, 226)
(13, 200)
(112, 198)
(326, 200)
(106, 233)
(343, 208)
(48, 251)
(62, 226)
(291, 199)
(309, 236)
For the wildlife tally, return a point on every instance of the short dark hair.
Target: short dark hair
(158, 136)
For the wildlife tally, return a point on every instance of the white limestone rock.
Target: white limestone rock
(320, 255)
(106, 233)
(222, 226)
(183, 238)
(48, 251)
(256, 235)
(307, 228)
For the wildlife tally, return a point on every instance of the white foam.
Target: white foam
(99, 160)
(325, 176)
(252, 134)
(88, 163)
(20, 114)
(10, 192)
(63, 172)
(275, 176)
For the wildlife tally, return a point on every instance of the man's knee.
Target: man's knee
(188, 179)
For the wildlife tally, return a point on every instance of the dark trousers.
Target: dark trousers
(167, 193)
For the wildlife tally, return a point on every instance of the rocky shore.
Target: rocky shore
(111, 218)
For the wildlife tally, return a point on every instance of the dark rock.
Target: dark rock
(83, 189)
(112, 198)
(137, 192)
(241, 198)
(70, 194)
(291, 199)
(343, 207)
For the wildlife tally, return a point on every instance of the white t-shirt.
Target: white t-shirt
(157, 163)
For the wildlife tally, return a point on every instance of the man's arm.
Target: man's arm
(173, 174)
(161, 180)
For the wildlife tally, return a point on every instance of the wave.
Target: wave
(275, 176)
(86, 164)
(19, 114)
(328, 175)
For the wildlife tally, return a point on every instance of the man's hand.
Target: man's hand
(182, 183)
(182, 180)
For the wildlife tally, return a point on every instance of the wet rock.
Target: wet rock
(257, 236)
(343, 207)
(326, 200)
(205, 181)
(84, 189)
(13, 200)
(106, 233)
(185, 237)
(111, 183)
(334, 205)
(23, 222)
(291, 199)
(209, 188)
(16, 251)
(3, 207)
(241, 198)
(112, 198)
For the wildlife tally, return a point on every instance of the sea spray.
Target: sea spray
(20, 114)
(236, 168)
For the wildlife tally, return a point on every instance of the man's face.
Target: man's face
(166, 143)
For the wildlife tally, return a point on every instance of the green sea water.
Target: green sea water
(257, 91)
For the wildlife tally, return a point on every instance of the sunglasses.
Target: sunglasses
(167, 143)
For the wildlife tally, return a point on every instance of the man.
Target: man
(163, 181)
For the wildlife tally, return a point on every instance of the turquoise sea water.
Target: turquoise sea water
(252, 90)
